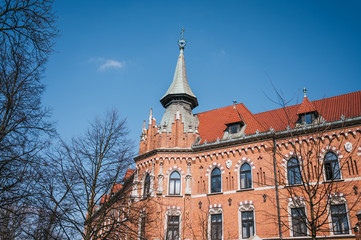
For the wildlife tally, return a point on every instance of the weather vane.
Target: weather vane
(182, 42)
(304, 92)
(182, 31)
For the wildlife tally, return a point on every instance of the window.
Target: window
(174, 183)
(247, 224)
(308, 118)
(234, 128)
(332, 169)
(146, 190)
(142, 227)
(246, 176)
(293, 171)
(173, 228)
(298, 222)
(216, 181)
(339, 219)
(216, 227)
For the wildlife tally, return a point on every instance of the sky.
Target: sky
(122, 55)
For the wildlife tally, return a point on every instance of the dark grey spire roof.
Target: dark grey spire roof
(179, 87)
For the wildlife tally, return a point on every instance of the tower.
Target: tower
(179, 126)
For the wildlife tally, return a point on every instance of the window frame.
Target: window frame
(214, 179)
(216, 225)
(174, 181)
(146, 188)
(250, 226)
(290, 168)
(345, 216)
(173, 226)
(248, 181)
(301, 221)
(331, 166)
(142, 231)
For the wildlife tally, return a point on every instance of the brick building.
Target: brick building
(230, 174)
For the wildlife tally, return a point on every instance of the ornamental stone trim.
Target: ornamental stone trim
(335, 195)
(244, 160)
(295, 199)
(327, 149)
(173, 207)
(246, 202)
(174, 168)
(212, 166)
(215, 206)
(288, 157)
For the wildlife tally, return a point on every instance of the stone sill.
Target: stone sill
(245, 190)
(216, 193)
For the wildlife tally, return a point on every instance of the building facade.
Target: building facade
(288, 173)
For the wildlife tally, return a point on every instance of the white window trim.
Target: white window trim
(210, 180)
(141, 217)
(173, 212)
(246, 208)
(217, 210)
(336, 201)
(239, 176)
(298, 203)
(299, 159)
(322, 159)
(181, 185)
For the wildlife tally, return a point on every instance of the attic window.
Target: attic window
(234, 128)
(307, 118)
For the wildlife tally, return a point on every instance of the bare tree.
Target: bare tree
(91, 168)
(309, 168)
(27, 32)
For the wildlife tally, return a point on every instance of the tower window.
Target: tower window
(146, 190)
(174, 183)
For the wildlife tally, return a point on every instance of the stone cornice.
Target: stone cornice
(262, 136)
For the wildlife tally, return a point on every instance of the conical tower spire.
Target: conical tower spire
(179, 90)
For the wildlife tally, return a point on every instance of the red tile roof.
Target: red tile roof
(213, 123)
(234, 117)
(306, 107)
(104, 199)
(116, 188)
(128, 173)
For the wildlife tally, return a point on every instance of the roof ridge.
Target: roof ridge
(318, 100)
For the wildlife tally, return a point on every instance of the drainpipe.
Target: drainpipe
(276, 187)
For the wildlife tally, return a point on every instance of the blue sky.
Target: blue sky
(122, 55)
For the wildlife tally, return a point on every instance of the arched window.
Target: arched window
(293, 171)
(246, 176)
(146, 190)
(174, 183)
(332, 169)
(216, 181)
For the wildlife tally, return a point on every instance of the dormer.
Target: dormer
(235, 125)
(307, 112)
